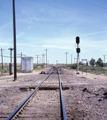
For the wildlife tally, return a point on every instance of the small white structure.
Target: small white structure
(27, 64)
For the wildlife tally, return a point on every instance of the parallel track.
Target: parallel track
(14, 115)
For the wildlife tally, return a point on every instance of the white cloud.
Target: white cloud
(94, 33)
(55, 46)
(3, 44)
(24, 44)
(93, 48)
(20, 34)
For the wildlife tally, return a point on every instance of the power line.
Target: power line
(71, 10)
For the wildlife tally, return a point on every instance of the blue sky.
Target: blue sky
(54, 25)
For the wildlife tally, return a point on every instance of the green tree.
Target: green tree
(80, 63)
(99, 62)
(92, 62)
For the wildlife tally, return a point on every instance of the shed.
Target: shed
(27, 64)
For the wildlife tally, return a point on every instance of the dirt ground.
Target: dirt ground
(90, 76)
(86, 98)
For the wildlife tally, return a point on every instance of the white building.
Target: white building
(27, 64)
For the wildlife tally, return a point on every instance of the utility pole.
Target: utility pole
(56, 62)
(71, 59)
(104, 59)
(14, 35)
(37, 58)
(10, 60)
(21, 60)
(66, 58)
(46, 56)
(43, 60)
(21, 54)
(2, 57)
(10, 54)
(40, 61)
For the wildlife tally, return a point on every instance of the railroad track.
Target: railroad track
(45, 102)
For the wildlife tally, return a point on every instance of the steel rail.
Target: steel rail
(63, 112)
(23, 103)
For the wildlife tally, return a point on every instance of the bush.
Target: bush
(92, 62)
(99, 62)
(74, 66)
(94, 70)
(35, 67)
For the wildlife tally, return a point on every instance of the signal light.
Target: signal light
(78, 50)
(77, 40)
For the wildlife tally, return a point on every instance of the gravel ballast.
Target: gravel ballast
(84, 99)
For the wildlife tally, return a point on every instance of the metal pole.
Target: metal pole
(77, 60)
(14, 31)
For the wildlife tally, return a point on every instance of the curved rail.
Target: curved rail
(61, 99)
(26, 100)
